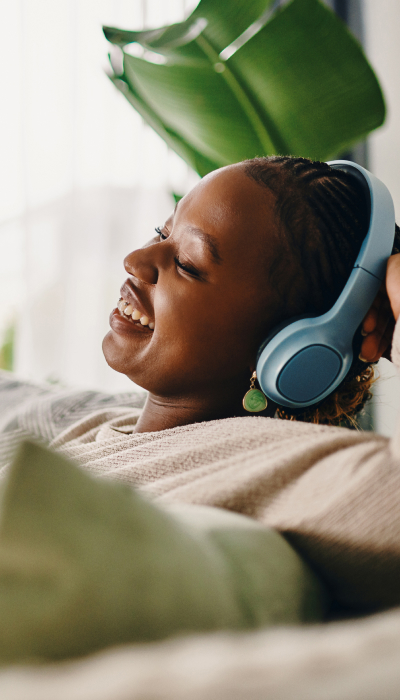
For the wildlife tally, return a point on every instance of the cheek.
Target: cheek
(203, 329)
(187, 329)
(181, 311)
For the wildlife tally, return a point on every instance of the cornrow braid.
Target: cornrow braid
(323, 217)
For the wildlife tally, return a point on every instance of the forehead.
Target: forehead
(231, 207)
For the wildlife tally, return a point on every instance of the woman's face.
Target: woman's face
(203, 282)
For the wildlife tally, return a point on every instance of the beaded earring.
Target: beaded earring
(254, 400)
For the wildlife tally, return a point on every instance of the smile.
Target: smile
(134, 315)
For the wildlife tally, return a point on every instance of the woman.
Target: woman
(251, 246)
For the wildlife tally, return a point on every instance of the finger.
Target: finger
(370, 321)
(371, 318)
(385, 345)
(371, 344)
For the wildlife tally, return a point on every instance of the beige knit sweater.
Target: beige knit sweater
(335, 493)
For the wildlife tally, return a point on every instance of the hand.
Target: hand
(378, 324)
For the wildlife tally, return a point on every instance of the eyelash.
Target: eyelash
(189, 270)
(160, 233)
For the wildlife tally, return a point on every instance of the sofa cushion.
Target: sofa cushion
(86, 563)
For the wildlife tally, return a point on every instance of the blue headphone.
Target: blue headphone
(302, 362)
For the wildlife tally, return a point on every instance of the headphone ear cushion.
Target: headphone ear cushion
(300, 364)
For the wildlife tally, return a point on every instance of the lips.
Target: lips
(125, 325)
(132, 313)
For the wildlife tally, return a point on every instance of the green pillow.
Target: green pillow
(86, 563)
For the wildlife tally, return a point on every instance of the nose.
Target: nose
(142, 264)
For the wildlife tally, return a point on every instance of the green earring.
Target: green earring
(254, 400)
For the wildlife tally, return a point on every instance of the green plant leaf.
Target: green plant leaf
(218, 22)
(320, 90)
(175, 41)
(297, 83)
(198, 106)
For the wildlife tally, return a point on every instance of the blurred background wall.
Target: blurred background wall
(84, 181)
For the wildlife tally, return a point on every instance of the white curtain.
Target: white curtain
(83, 181)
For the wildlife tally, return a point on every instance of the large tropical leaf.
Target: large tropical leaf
(220, 23)
(237, 80)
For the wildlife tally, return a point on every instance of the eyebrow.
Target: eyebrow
(210, 241)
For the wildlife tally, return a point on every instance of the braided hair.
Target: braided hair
(323, 217)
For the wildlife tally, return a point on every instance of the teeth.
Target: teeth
(127, 309)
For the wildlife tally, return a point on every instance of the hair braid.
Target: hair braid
(324, 217)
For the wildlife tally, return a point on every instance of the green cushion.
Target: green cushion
(86, 563)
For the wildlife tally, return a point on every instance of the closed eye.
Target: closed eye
(186, 268)
(160, 233)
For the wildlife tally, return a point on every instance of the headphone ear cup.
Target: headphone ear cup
(300, 364)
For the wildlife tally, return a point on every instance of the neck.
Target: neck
(160, 413)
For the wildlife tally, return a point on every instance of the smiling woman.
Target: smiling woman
(252, 245)
(286, 234)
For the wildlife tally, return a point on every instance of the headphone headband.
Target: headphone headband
(305, 361)
(378, 243)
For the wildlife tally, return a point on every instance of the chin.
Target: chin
(113, 355)
(118, 361)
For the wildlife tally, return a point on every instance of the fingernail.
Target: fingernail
(363, 359)
(363, 332)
